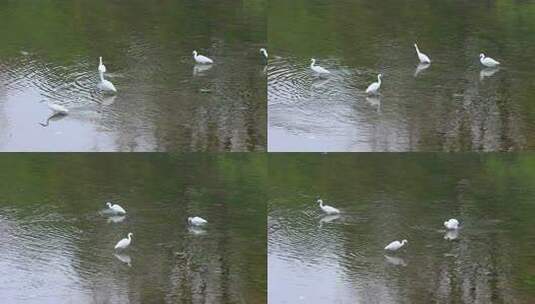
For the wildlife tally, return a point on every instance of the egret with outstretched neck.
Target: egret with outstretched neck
(421, 56)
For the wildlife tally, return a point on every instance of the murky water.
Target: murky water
(49, 54)
(57, 246)
(314, 258)
(452, 105)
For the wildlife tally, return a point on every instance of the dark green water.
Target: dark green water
(58, 248)
(384, 197)
(453, 105)
(49, 54)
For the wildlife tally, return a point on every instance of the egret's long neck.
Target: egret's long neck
(417, 50)
(321, 204)
(379, 79)
(102, 79)
(312, 63)
(129, 237)
(100, 60)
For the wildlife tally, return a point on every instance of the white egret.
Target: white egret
(106, 85)
(487, 61)
(201, 59)
(395, 245)
(317, 68)
(451, 224)
(421, 56)
(264, 52)
(114, 208)
(196, 221)
(124, 243)
(327, 209)
(373, 89)
(101, 66)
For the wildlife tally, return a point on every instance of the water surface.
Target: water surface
(57, 245)
(49, 54)
(383, 197)
(452, 105)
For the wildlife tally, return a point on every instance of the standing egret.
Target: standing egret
(421, 56)
(451, 224)
(327, 209)
(124, 243)
(373, 89)
(395, 245)
(106, 85)
(101, 67)
(201, 59)
(196, 221)
(114, 208)
(487, 61)
(317, 68)
(264, 52)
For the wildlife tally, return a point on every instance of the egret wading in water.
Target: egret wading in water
(395, 245)
(317, 68)
(197, 221)
(327, 209)
(264, 52)
(373, 89)
(101, 66)
(201, 59)
(116, 209)
(421, 56)
(106, 85)
(487, 61)
(57, 111)
(451, 224)
(124, 243)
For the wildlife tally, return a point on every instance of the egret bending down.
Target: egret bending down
(451, 224)
(124, 243)
(373, 89)
(115, 208)
(201, 59)
(317, 68)
(487, 61)
(264, 52)
(327, 209)
(395, 245)
(106, 85)
(421, 56)
(197, 221)
(101, 67)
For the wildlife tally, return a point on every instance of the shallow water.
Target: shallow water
(314, 258)
(452, 105)
(57, 245)
(49, 54)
